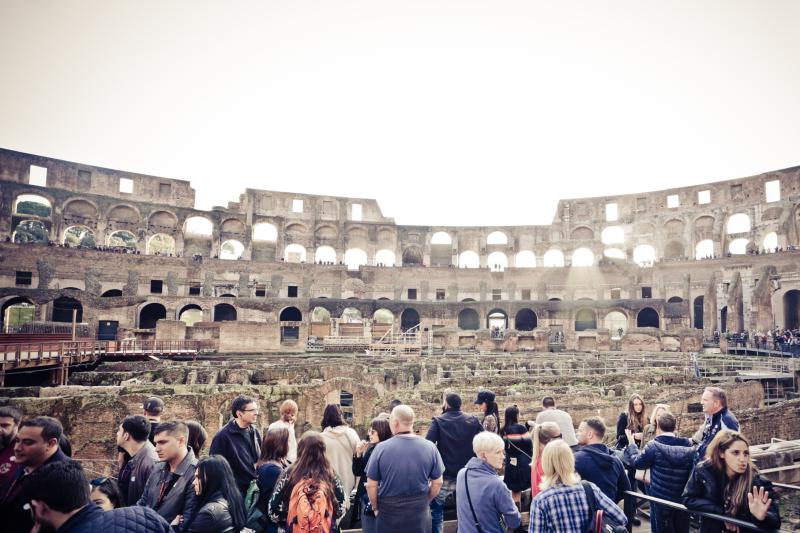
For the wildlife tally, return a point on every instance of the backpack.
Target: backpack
(598, 522)
(310, 509)
(255, 518)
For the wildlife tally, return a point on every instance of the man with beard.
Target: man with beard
(9, 421)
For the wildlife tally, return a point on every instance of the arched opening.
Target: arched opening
(612, 235)
(150, 314)
(412, 256)
(33, 204)
(497, 322)
(675, 300)
(704, 249)
(770, 241)
(264, 231)
(409, 319)
(122, 239)
(554, 300)
(585, 319)
(354, 258)
(738, 247)
(554, 258)
(290, 319)
(525, 320)
(791, 309)
(617, 323)
(63, 308)
(582, 257)
(644, 255)
(525, 259)
(738, 223)
(614, 253)
(161, 244)
(383, 316)
(31, 232)
(468, 319)
(674, 250)
(191, 314)
(698, 312)
(469, 259)
(198, 226)
(351, 315)
(385, 258)
(79, 237)
(294, 253)
(441, 237)
(224, 313)
(111, 293)
(647, 318)
(497, 237)
(17, 312)
(723, 319)
(231, 250)
(320, 315)
(497, 261)
(325, 254)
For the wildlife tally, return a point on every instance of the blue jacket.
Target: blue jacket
(92, 519)
(452, 432)
(490, 497)
(670, 460)
(595, 463)
(721, 420)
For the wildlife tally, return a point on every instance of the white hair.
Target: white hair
(487, 441)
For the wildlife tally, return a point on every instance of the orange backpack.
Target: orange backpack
(310, 509)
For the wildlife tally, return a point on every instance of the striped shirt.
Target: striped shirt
(563, 509)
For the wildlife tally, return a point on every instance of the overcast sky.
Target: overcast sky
(446, 112)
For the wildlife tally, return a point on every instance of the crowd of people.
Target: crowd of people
(778, 339)
(402, 482)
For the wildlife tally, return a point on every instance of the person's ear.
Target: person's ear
(39, 508)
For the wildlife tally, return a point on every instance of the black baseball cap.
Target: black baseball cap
(484, 396)
(153, 405)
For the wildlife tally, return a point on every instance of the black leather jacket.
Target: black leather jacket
(705, 492)
(213, 517)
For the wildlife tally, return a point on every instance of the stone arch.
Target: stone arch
(525, 320)
(351, 315)
(738, 223)
(409, 318)
(703, 227)
(326, 233)
(616, 322)
(224, 313)
(468, 319)
(385, 257)
(231, 249)
(675, 300)
(554, 258)
(233, 226)
(585, 319)
(582, 233)
(320, 315)
(123, 214)
(674, 250)
(738, 246)
(355, 258)
(295, 229)
(496, 237)
(614, 253)
(644, 255)
(674, 227)
(383, 316)
(30, 232)
(290, 314)
(111, 293)
(412, 256)
(441, 237)
(160, 244)
(498, 261)
(78, 236)
(33, 204)
(162, 221)
(704, 248)
(325, 254)
(264, 231)
(612, 235)
(525, 259)
(496, 318)
(190, 314)
(469, 259)
(582, 257)
(198, 226)
(151, 313)
(122, 239)
(17, 311)
(79, 210)
(294, 253)
(648, 318)
(791, 309)
(770, 241)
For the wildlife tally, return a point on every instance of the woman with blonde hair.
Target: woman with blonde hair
(562, 505)
(542, 434)
(649, 432)
(727, 483)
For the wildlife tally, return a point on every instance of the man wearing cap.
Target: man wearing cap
(491, 414)
(153, 409)
(452, 432)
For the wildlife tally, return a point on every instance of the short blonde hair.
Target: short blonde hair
(558, 464)
(659, 407)
(487, 441)
(288, 406)
(403, 414)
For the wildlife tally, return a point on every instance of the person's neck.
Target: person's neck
(61, 518)
(594, 441)
(177, 460)
(31, 468)
(403, 431)
(133, 447)
(241, 424)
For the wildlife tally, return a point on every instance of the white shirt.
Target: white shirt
(292, 456)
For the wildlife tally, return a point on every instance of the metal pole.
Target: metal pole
(74, 320)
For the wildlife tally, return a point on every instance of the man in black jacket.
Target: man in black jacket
(132, 436)
(59, 500)
(452, 432)
(35, 447)
(239, 441)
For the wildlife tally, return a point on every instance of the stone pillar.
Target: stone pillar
(736, 303)
(710, 308)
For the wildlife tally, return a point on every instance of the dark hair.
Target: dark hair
(274, 446)
(197, 436)
(51, 428)
(65, 445)
(216, 477)
(153, 406)
(62, 485)
(453, 401)
(511, 417)
(597, 425)
(109, 487)
(313, 464)
(332, 416)
(394, 403)
(239, 403)
(382, 428)
(548, 401)
(666, 422)
(10, 412)
(636, 421)
(174, 428)
(137, 426)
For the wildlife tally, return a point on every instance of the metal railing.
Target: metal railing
(44, 353)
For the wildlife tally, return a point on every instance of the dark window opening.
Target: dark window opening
(440, 294)
(526, 294)
(497, 294)
(698, 312)
(412, 294)
(194, 290)
(292, 291)
(261, 291)
(24, 278)
(156, 286)
(647, 292)
(647, 318)
(616, 294)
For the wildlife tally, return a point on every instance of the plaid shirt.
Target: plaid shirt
(563, 509)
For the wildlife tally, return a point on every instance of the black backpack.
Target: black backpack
(598, 522)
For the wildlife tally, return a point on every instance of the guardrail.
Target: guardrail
(67, 352)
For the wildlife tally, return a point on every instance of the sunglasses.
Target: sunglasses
(99, 481)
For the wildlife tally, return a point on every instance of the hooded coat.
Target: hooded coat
(340, 446)
(595, 463)
(670, 460)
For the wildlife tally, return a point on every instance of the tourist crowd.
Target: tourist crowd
(274, 482)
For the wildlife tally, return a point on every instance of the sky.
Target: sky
(446, 112)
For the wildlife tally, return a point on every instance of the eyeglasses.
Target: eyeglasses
(250, 410)
(99, 481)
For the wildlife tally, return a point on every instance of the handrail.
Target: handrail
(680, 507)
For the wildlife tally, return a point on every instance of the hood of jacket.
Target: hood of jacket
(600, 455)
(678, 451)
(480, 465)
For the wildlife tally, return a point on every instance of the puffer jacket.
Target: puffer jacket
(705, 492)
(92, 519)
(711, 426)
(213, 517)
(670, 460)
(595, 463)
